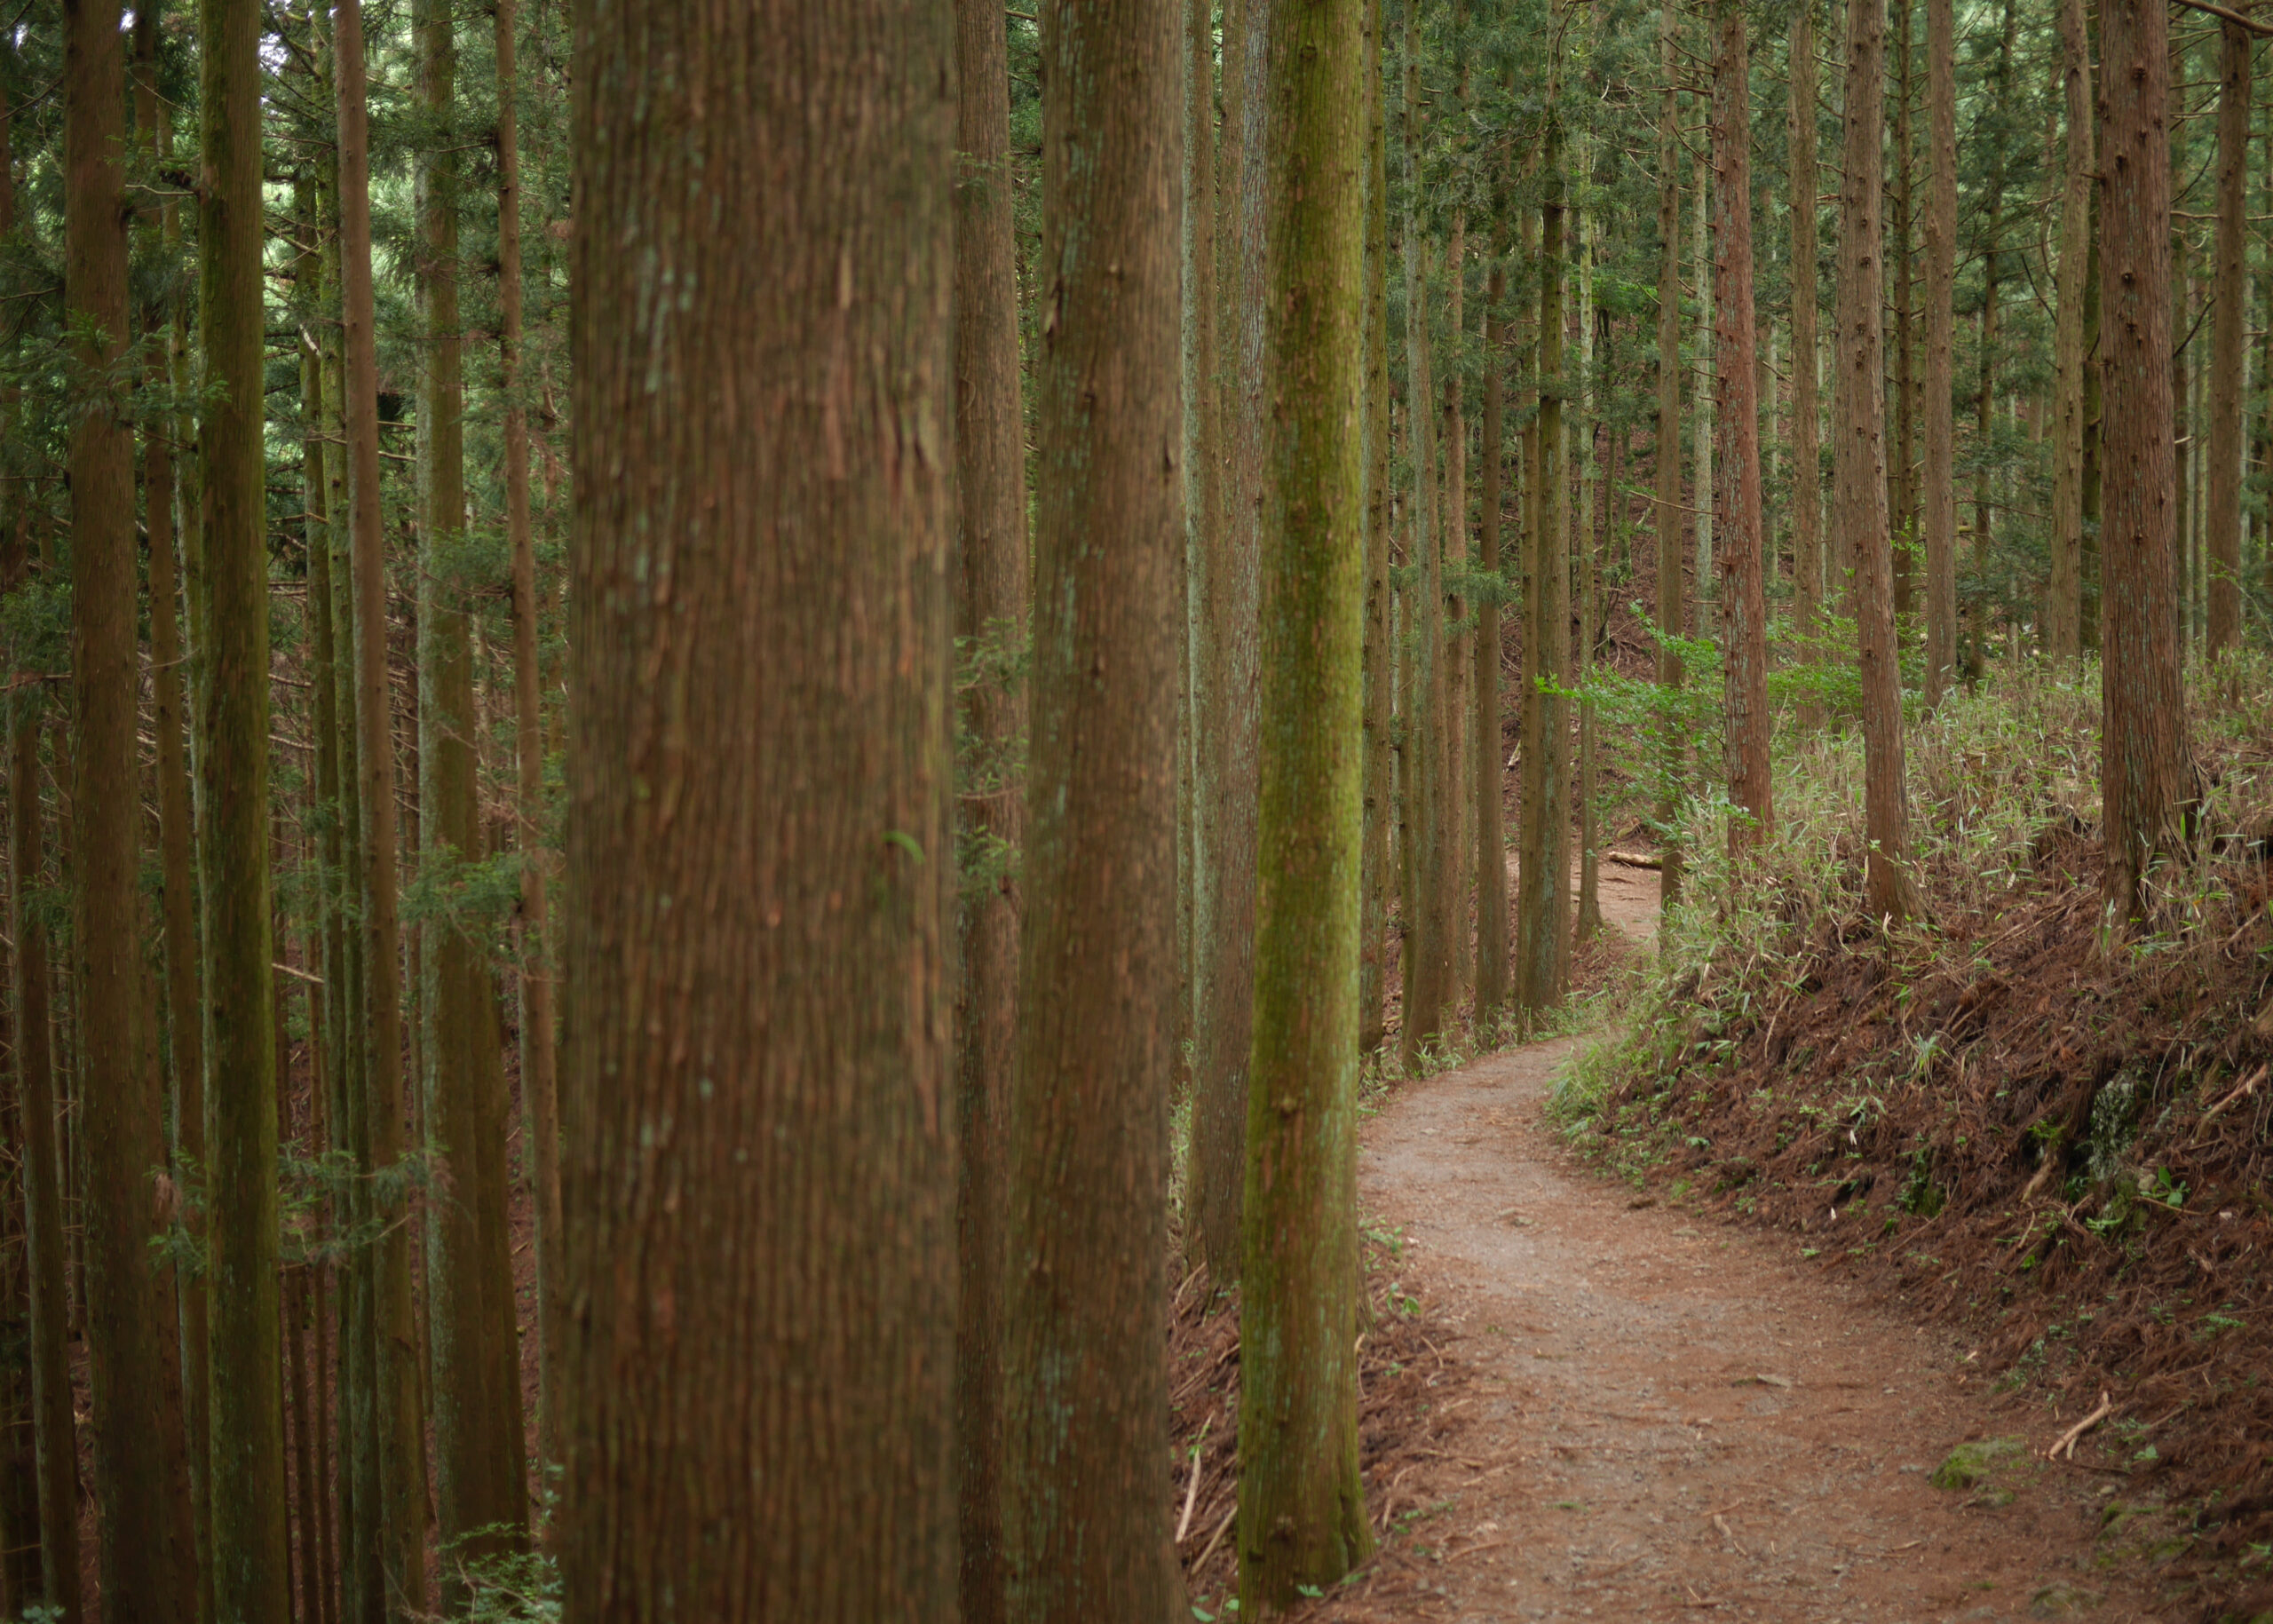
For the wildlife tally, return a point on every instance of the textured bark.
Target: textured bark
(2063, 606)
(1859, 461)
(1667, 512)
(2146, 779)
(2221, 515)
(1746, 723)
(1701, 418)
(395, 1435)
(1085, 1387)
(1807, 496)
(760, 1171)
(1543, 941)
(1939, 483)
(1381, 650)
(474, 1376)
(1224, 713)
(1301, 1504)
(1984, 398)
(1457, 651)
(540, 1054)
(146, 1557)
(1488, 769)
(1901, 489)
(1587, 553)
(54, 1437)
(990, 612)
(252, 1562)
(1427, 928)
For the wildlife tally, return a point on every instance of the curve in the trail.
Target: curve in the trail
(1670, 1417)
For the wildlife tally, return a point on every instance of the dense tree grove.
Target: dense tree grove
(728, 726)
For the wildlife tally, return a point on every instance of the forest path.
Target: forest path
(1669, 1417)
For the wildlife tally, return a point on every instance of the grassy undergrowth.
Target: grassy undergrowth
(2001, 1111)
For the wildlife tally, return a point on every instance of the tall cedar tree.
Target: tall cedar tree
(990, 628)
(473, 1350)
(2145, 774)
(1807, 496)
(1225, 719)
(1487, 770)
(1087, 1390)
(148, 1558)
(760, 1175)
(393, 1496)
(2221, 516)
(1302, 1505)
(1747, 722)
(2065, 600)
(1859, 459)
(1379, 653)
(1939, 482)
(1667, 512)
(20, 1581)
(251, 1563)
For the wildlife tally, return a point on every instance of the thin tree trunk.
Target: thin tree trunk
(1859, 461)
(1903, 509)
(1587, 558)
(540, 1055)
(1486, 748)
(1380, 650)
(1807, 496)
(1425, 928)
(1701, 418)
(1301, 1504)
(2064, 610)
(251, 1563)
(1224, 714)
(2221, 515)
(1746, 724)
(990, 629)
(768, 740)
(398, 1430)
(1939, 484)
(2145, 770)
(1668, 515)
(1456, 651)
(1086, 1389)
(147, 1559)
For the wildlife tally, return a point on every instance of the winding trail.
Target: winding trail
(1671, 1417)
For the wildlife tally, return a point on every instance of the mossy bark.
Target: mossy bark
(1380, 650)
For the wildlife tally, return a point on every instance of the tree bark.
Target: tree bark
(990, 617)
(146, 1557)
(1807, 496)
(1939, 485)
(251, 1563)
(1301, 1504)
(1380, 651)
(760, 1168)
(1669, 517)
(2063, 607)
(540, 1055)
(2221, 516)
(1747, 722)
(1486, 748)
(1901, 489)
(1859, 462)
(1085, 1385)
(396, 1431)
(2145, 773)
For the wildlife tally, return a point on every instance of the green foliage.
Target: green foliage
(507, 1587)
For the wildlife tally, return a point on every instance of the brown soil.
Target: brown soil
(1581, 1402)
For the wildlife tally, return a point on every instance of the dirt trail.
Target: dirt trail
(1671, 1418)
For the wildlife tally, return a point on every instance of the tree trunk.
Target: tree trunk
(474, 1355)
(2064, 608)
(1668, 517)
(1457, 652)
(396, 1432)
(540, 1056)
(1486, 748)
(1224, 718)
(1900, 489)
(251, 1563)
(2145, 771)
(1301, 1504)
(1380, 651)
(990, 617)
(1701, 418)
(1544, 951)
(147, 1559)
(1747, 722)
(1807, 496)
(760, 1168)
(2222, 517)
(1939, 484)
(1085, 1384)
(1588, 557)
(1859, 461)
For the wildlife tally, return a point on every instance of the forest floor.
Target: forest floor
(1586, 1403)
